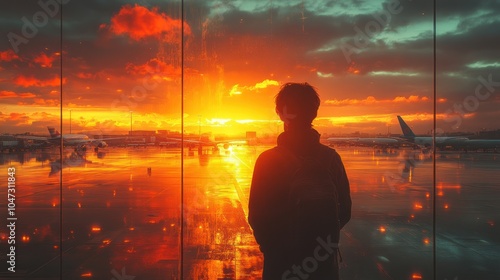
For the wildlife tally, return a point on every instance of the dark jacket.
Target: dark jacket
(268, 205)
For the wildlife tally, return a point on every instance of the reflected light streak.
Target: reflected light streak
(86, 275)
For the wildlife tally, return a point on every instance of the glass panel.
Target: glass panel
(121, 188)
(467, 164)
(370, 61)
(30, 102)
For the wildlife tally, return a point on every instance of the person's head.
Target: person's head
(297, 105)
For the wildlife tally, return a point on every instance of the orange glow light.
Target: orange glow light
(96, 229)
(418, 206)
(381, 229)
(446, 206)
(416, 276)
(427, 241)
(427, 195)
(106, 241)
(86, 275)
(25, 239)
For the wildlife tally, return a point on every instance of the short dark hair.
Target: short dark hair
(298, 102)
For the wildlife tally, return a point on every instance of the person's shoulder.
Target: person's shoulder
(270, 158)
(329, 151)
(269, 153)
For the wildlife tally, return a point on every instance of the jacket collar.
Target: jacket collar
(299, 141)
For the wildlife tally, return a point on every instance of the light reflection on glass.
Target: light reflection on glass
(141, 229)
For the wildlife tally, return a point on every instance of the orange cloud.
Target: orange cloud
(8, 55)
(44, 60)
(10, 94)
(17, 116)
(370, 100)
(411, 99)
(83, 75)
(25, 81)
(237, 89)
(153, 67)
(139, 22)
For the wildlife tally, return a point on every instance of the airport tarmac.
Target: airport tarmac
(121, 215)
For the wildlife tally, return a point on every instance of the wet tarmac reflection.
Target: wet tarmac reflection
(121, 214)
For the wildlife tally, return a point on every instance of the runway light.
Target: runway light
(86, 275)
(95, 229)
(25, 238)
(382, 229)
(426, 242)
(415, 276)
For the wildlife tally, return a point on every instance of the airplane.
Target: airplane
(205, 140)
(427, 141)
(448, 142)
(77, 140)
(365, 141)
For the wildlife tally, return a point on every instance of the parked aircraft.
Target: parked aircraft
(76, 140)
(427, 141)
(365, 141)
(451, 142)
(206, 140)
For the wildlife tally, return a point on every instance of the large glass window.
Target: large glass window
(130, 130)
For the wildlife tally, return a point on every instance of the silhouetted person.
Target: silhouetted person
(300, 195)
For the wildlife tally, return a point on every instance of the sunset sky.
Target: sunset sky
(369, 60)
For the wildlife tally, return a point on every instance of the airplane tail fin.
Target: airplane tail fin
(53, 132)
(407, 132)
